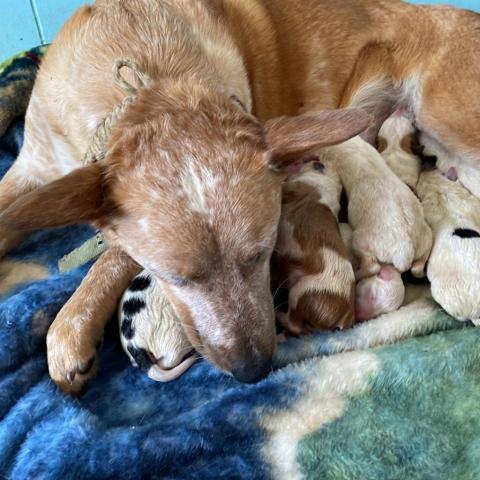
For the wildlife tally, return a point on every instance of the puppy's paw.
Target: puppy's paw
(72, 354)
(424, 248)
(419, 268)
(368, 265)
(291, 328)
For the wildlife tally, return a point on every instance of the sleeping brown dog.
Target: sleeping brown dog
(191, 184)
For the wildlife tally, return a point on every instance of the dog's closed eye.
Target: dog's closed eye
(247, 266)
(176, 280)
(258, 257)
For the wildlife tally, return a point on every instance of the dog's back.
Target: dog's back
(300, 63)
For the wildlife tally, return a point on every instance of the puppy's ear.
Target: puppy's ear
(290, 138)
(78, 197)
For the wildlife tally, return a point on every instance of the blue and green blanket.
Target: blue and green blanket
(394, 398)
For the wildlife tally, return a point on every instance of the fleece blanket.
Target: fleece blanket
(394, 398)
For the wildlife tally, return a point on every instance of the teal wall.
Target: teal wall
(28, 23)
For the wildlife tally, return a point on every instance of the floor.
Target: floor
(28, 23)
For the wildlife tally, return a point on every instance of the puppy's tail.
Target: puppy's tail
(159, 374)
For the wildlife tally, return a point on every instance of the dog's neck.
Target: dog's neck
(210, 54)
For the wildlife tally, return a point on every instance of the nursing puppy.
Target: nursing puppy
(453, 166)
(381, 293)
(197, 162)
(369, 185)
(312, 258)
(453, 268)
(151, 334)
(395, 140)
(384, 292)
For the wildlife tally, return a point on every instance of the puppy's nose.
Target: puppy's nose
(252, 371)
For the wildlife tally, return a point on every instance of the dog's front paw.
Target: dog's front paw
(72, 353)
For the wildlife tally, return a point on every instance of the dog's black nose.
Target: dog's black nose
(253, 371)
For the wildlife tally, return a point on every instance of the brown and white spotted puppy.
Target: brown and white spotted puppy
(312, 259)
(201, 178)
(151, 334)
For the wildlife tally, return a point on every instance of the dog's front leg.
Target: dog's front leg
(386, 217)
(74, 335)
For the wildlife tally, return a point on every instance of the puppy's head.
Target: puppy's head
(381, 293)
(191, 189)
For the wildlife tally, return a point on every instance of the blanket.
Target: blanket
(394, 398)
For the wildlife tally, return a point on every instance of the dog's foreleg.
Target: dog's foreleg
(14, 184)
(74, 335)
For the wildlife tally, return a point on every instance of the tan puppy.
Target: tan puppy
(393, 236)
(201, 176)
(313, 260)
(377, 294)
(384, 292)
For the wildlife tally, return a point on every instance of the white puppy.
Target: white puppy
(454, 265)
(381, 293)
(150, 332)
(386, 217)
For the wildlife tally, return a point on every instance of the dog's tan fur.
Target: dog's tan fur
(157, 178)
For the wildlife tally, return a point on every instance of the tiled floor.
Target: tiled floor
(28, 23)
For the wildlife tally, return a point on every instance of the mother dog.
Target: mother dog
(190, 187)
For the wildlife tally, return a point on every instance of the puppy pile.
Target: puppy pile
(453, 214)
(330, 286)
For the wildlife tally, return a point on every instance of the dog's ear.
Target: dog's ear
(78, 197)
(291, 138)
